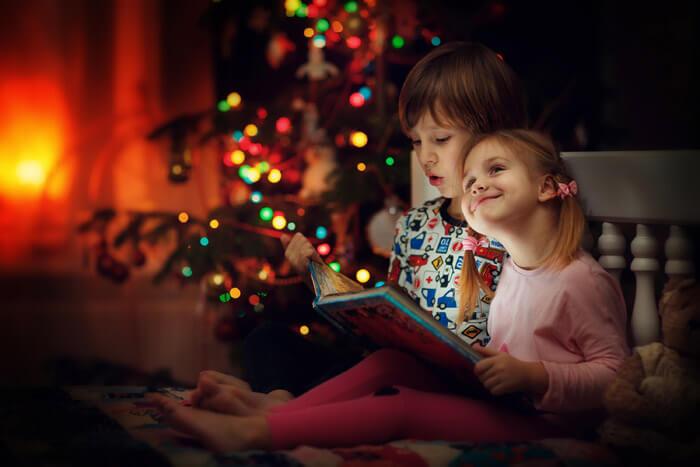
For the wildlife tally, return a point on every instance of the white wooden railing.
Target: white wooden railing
(652, 191)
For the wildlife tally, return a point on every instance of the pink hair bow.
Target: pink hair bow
(471, 243)
(567, 189)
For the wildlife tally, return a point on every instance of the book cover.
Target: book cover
(387, 317)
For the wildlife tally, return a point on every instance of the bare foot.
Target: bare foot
(235, 400)
(220, 433)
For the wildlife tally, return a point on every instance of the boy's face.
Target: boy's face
(439, 150)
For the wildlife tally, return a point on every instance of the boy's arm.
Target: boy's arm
(299, 251)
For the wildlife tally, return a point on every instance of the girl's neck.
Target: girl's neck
(530, 242)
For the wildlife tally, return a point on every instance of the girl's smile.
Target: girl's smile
(478, 201)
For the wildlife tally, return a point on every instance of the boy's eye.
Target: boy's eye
(497, 168)
(468, 184)
(415, 142)
(443, 139)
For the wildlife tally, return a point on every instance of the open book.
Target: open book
(387, 317)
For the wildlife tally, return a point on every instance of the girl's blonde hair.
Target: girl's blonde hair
(545, 160)
(466, 85)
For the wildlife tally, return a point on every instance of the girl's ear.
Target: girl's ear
(548, 189)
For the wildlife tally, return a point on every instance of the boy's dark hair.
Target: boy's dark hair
(466, 85)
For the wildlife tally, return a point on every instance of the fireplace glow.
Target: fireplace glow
(32, 139)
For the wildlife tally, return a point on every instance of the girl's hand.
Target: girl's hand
(502, 374)
(298, 250)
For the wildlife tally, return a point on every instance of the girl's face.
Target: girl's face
(439, 150)
(500, 189)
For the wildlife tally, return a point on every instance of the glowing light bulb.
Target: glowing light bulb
(275, 176)
(358, 139)
(366, 92)
(435, 41)
(319, 41)
(256, 197)
(323, 249)
(183, 217)
(223, 106)
(361, 167)
(334, 266)
(204, 241)
(235, 292)
(353, 42)
(250, 130)
(304, 330)
(362, 276)
(253, 175)
(214, 224)
(397, 42)
(234, 99)
(321, 232)
(266, 213)
(253, 300)
(283, 125)
(238, 157)
(309, 33)
(356, 99)
(389, 161)
(279, 222)
(187, 271)
(217, 279)
(350, 7)
(322, 25)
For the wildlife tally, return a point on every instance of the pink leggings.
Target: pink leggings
(388, 396)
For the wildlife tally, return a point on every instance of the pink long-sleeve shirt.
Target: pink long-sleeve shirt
(573, 320)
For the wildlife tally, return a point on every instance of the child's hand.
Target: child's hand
(502, 374)
(298, 250)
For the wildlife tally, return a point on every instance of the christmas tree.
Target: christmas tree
(305, 124)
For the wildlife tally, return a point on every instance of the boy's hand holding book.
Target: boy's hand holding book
(299, 251)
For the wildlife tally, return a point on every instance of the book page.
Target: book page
(328, 282)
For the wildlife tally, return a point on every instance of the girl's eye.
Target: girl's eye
(442, 140)
(468, 184)
(415, 142)
(497, 168)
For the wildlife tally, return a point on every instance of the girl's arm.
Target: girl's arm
(500, 373)
(584, 345)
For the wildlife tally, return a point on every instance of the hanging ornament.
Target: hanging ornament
(320, 164)
(138, 258)
(381, 227)
(110, 267)
(316, 69)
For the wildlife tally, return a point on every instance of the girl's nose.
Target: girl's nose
(478, 187)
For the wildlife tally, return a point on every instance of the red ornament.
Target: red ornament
(138, 258)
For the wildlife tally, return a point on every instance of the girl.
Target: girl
(457, 90)
(557, 325)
